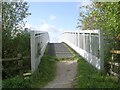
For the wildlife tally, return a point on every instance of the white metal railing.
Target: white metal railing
(88, 43)
(39, 41)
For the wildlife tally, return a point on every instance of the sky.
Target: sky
(54, 17)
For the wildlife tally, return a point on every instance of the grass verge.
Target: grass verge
(45, 73)
(89, 77)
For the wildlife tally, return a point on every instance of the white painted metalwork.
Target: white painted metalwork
(88, 43)
(39, 41)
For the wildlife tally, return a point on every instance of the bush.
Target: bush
(16, 82)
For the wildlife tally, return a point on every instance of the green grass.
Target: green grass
(89, 77)
(45, 73)
(16, 82)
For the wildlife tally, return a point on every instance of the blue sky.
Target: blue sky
(53, 17)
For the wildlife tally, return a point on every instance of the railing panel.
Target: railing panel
(88, 43)
(39, 41)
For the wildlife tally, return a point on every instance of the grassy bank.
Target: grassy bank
(44, 74)
(89, 77)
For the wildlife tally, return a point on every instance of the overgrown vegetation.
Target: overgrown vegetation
(16, 82)
(15, 37)
(45, 73)
(90, 77)
(16, 42)
(103, 16)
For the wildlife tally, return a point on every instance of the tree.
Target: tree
(13, 14)
(104, 16)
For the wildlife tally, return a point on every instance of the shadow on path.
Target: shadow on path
(59, 50)
(65, 70)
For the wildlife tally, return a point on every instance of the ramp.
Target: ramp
(59, 50)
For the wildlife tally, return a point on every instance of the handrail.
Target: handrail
(88, 43)
(39, 41)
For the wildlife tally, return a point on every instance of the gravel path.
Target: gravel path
(65, 74)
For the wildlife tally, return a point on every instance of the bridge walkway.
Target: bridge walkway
(59, 50)
(66, 69)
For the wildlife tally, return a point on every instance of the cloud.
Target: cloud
(47, 27)
(86, 2)
(29, 26)
(52, 17)
(43, 21)
(54, 32)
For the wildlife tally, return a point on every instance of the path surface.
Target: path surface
(59, 50)
(65, 74)
(65, 70)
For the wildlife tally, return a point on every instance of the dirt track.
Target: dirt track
(65, 74)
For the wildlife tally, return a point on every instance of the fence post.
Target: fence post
(101, 52)
(119, 73)
(77, 39)
(20, 64)
(84, 41)
(74, 38)
(90, 44)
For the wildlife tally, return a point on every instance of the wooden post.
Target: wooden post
(119, 72)
(20, 64)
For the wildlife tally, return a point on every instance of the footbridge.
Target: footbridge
(87, 43)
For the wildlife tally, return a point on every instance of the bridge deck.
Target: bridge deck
(59, 50)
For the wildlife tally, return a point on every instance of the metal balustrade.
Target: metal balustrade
(88, 43)
(39, 41)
